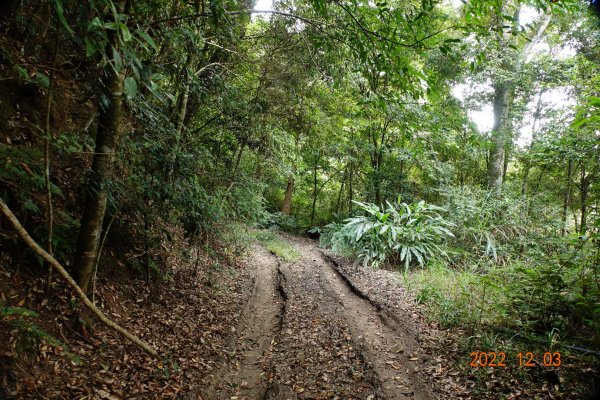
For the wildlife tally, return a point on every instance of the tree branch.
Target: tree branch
(53, 262)
(241, 12)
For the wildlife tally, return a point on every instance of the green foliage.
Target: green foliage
(359, 102)
(333, 237)
(402, 232)
(277, 221)
(275, 245)
(16, 312)
(496, 227)
(30, 335)
(530, 298)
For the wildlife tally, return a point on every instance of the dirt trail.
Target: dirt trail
(305, 334)
(391, 350)
(247, 377)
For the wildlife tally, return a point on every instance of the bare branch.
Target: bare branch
(53, 262)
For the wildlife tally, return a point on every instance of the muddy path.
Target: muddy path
(244, 375)
(390, 347)
(307, 334)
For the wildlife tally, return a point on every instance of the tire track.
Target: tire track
(314, 356)
(308, 333)
(256, 333)
(391, 351)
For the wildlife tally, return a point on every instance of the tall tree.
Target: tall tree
(110, 103)
(504, 84)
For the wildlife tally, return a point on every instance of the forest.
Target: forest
(300, 199)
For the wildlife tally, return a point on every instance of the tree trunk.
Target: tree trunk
(376, 162)
(339, 197)
(289, 191)
(567, 198)
(181, 114)
(258, 172)
(315, 194)
(583, 193)
(63, 272)
(526, 169)
(497, 151)
(526, 163)
(502, 97)
(184, 97)
(47, 145)
(96, 191)
(351, 189)
(237, 166)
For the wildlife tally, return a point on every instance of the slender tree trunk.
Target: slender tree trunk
(350, 189)
(526, 169)
(238, 159)
(236, 166)
(184, 97)
(258, 171)
(502, 98)
(102, 241)
(289, 192)
(181, 113)
(461, 166)
(583, 193)
(497, 151)
(506, 159)
(63, 272)
(109, 119)
(147, 259)
(567, 198)
(377, 191)
(47, 145)
(526, 163)
(378, 195)
(376, 161)
(315, 194)
(339, 196)
(536, 188)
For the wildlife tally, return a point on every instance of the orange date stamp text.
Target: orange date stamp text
(521, 359)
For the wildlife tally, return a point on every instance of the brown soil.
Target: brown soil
(309, 332)
(316, 328)
(260, 322)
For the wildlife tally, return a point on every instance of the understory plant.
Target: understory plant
(400, 233)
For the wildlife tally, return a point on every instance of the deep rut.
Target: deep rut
(306, 334)
(392, 354)
(260, 322)
(390, 349)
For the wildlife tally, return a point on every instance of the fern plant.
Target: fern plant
(30, 334)
(401, 233)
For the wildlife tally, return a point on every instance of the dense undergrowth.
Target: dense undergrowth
(506, 278)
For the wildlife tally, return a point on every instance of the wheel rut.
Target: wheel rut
(390, 350)
(252, 342)
(306, 334)
(392, 354)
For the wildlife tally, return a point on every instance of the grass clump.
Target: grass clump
(275, 245)
(460, 298)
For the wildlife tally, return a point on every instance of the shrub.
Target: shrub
(498, 227)
(277, 221)
(400, 233)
